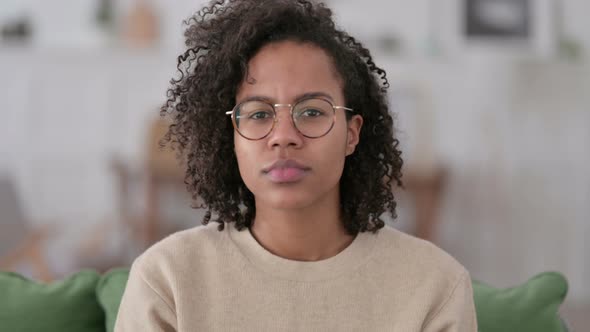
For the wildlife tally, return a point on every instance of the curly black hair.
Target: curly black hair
(221, 39)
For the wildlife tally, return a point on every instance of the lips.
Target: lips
(286, 171)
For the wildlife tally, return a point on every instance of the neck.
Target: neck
(309, 234)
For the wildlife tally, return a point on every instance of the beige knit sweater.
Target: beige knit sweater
(205, 280)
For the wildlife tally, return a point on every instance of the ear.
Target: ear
(353, 133)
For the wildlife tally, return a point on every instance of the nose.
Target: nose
(284, 133)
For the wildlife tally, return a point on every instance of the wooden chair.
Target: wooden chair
(159, 172)
(426, 190)
(163, 171)
(20, 243)
(140, 219)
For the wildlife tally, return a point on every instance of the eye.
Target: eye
(311, 112)
(260, 115)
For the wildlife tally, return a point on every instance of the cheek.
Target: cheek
(241, 155)
(246, 157)
(332, 155)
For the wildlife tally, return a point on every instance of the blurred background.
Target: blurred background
(491, 97)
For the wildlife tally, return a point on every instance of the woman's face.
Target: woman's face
(286, 170)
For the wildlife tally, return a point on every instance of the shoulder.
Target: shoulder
(404, 264)
(418, 262)
(181, 252)
(418, 252)
(193, 242)
(428, 276)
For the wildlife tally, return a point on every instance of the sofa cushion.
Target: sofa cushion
(66, 305)
(109, 292)
(531, 306)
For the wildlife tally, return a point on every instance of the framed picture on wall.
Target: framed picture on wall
(499, 19)
(504, 27)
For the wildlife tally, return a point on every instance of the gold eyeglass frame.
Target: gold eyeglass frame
(291, 107)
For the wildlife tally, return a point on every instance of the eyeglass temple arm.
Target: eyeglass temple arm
(344, 108)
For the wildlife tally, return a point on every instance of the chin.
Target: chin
(288, 201)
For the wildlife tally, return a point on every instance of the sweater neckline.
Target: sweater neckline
(349, 259)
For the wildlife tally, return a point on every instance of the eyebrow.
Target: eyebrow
(315, 94)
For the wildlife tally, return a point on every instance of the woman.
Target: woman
(283, 122)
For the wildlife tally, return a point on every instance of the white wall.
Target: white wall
(414, 21)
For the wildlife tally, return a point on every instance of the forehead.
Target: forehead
(286, 69)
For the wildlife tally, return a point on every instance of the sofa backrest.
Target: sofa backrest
(88, 302)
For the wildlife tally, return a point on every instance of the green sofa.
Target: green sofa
(88, 301)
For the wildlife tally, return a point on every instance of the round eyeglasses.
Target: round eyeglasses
(312, 117)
